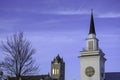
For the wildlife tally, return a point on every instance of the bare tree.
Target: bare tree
(19, 52)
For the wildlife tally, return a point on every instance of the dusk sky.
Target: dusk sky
(60, 27)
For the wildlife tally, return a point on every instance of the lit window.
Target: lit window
(57, 71)
(53, 71)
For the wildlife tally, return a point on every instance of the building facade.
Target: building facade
(57, 72)
(92, 58)
(58, 69)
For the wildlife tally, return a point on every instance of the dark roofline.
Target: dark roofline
(31, 77)
(111, 72)
(58, 59)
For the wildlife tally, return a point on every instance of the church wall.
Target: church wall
(90, 61)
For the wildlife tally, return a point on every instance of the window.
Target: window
(53, 71)
(57, 71)
(90, 45)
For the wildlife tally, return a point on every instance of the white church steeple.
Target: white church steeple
(92, 41)
(92, 59)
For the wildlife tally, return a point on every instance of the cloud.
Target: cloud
(54, 11)
(109, 15)
(52, 37)
(66, 12)
(7, 25)
(40, 10)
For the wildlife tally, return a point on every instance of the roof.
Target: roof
(58, 59)
(34, 77)
(92, 27)
(112, 76)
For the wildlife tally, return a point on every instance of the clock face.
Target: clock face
(89, 71)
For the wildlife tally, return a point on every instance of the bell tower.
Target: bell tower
(92, 58)
(58, 68)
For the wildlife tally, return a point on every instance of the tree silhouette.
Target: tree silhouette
(18, 61)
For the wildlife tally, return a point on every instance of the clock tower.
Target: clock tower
(92, 58)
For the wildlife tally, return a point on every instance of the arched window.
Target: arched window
(57, 71)
(53, 71)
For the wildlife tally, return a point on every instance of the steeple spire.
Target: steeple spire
(92, 27)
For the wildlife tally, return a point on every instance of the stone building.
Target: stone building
(58, 69)
(57, 72)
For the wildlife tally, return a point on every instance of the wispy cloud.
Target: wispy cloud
(109, 15)
(54, 11)
(49, 21)
(8, 24)
(66, 12)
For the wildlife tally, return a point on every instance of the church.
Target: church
(92, 63)
(57, 72)
(92, 59)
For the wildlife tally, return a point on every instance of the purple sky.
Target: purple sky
(61, 26)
